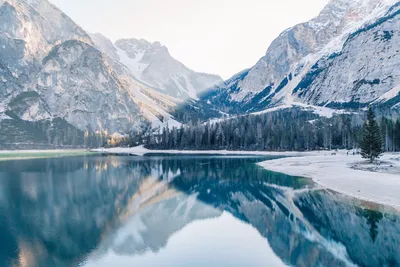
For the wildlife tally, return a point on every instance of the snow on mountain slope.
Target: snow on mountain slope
(49, 68)
(290, 60)
(152, 64)
(290, 50)
(366, 69)
(132, 59)
(389, 95)
(105, 45)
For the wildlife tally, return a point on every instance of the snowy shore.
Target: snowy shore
(140, 151)
(347, 174)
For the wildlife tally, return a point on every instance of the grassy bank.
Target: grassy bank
(33, 154)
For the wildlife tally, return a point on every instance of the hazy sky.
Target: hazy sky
(215, 36)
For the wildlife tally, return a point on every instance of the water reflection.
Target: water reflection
(158, 211)
(370, 233)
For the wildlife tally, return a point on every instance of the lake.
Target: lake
(183, 211)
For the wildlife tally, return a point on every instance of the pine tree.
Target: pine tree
(371, 140)
(397, 135)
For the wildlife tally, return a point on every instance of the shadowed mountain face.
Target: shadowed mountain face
(88, 210)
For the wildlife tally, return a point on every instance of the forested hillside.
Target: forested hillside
(292, 129)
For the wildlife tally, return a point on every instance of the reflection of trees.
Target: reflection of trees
(338, 218)
(235, 170)
(373, 217)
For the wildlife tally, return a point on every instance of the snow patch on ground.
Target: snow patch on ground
(381, 166)
(321, 111)
(347, 174)
(3, 116)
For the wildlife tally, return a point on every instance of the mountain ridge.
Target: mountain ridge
(290, 59)
(152, 64)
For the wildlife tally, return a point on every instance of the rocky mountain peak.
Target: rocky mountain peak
(305, 65)
(152, 64)
(104, 44)
(50, 71)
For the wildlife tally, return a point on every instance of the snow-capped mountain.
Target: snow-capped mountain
(50, 69)
(345, 57)
(365, 70)
(152, 64)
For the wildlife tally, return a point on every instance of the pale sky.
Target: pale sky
(215, 36)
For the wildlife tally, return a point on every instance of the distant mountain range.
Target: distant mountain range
(55, 77)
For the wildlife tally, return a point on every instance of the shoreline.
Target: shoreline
(37, 154)
(334, 170)
(337, 171)
(347, 174)
(140, 151)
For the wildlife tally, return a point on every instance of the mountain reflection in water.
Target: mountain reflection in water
(183, 211)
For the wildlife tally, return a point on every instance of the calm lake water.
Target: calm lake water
(183, 211)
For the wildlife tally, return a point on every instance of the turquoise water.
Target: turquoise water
(183, 211)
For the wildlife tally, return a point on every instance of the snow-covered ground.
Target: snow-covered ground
(347, 174)
(140, 151)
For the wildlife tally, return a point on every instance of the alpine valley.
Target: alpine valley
(59, 82)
